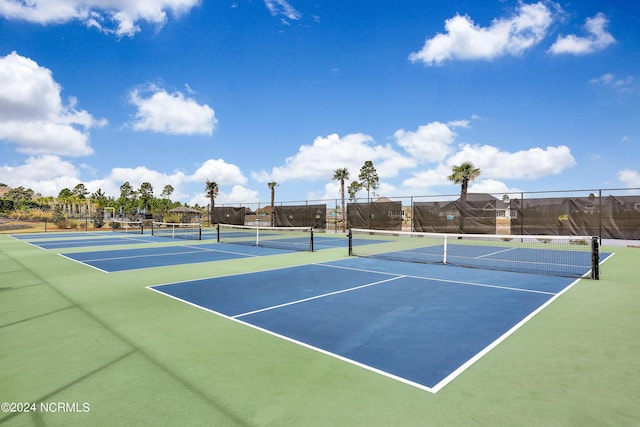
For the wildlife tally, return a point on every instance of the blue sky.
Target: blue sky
(538, 95)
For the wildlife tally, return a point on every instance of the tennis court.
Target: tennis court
(240, 243)
(419, 324)
(300, 337)
(110, 261)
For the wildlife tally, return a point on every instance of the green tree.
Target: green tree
(211, 188)
(167, 191)
(47, 201)
(462, 175)
(79, 197)
(126, 191)
(161, 206)
(342, 175)
(58, 217)
(272, 186)
(99, 201)
(21, 197)
(65, 199)
(127, 198)
(369, 178)
(145, 194)
(80, 191)
(353, 189)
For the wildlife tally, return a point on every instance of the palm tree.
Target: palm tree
(211, 187)
(342, 175)
(80, 193)
(272, 186)
(462, 175)
(64, 198)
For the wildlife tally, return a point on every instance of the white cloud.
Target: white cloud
(430, 143)
(526, 164)
(598, 38)
(332, 191)
(605, 79)
(239, 194)
(219, 171)
(236, 196)
(436, 176)
(494, 165)
(173, 113)
(629, 177)
(505, 36)
(318, 161)
(46, 174)
(282, 7)
(459, 123)
(136, 176)
(622, 84)
(491, 186)
(110, 16)
(32, 114)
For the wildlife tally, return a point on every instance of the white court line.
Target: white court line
(442, 383)
(494, 253)
(499, 340)
(300, 343)
(317, 297)
(83, 263)
(198, 250)
(435, 279)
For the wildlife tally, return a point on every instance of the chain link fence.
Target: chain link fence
(606, 213)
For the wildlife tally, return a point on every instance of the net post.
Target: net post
(444, 250)
(595, 258)
(218, 233)
(153, 229)
(311, 241)
(200, 232)
(350, 237)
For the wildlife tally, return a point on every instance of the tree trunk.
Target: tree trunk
(344, 219)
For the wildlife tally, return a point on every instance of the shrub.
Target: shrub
(173, 218)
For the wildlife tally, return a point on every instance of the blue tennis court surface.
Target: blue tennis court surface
(163, 256)
(420, 324)
(523, 260)
(41, 236)
(86, 239)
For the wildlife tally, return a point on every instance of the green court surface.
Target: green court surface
(100, 349)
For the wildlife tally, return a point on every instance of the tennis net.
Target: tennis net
(121, 226)
(287, 238)
(567, 256)
(189, 231)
